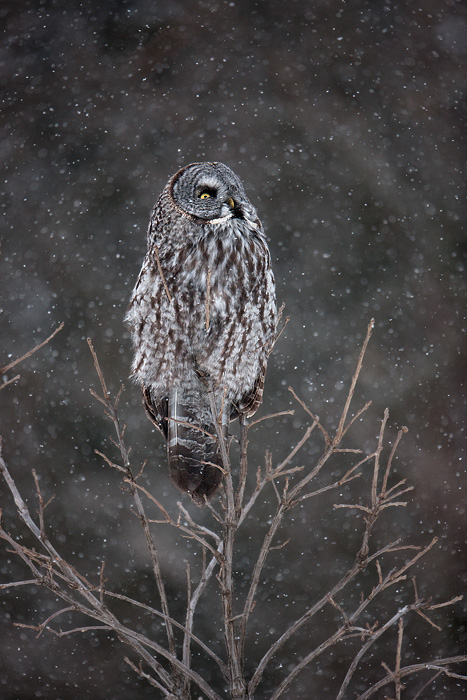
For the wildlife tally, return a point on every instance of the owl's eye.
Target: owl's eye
(207, 193)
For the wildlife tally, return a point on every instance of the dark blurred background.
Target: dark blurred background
(347, 123)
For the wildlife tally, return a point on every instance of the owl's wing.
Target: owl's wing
(252, 400)
(156, 411)
(249, 403)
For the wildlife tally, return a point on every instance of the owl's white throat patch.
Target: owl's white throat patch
(222, 220)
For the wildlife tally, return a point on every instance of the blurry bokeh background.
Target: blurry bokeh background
(347, 123)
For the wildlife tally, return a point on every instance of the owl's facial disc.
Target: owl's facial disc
(215, 202)
(209, 191)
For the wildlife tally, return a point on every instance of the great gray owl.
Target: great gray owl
(203, 318)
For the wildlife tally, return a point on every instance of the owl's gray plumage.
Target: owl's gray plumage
(202, 317)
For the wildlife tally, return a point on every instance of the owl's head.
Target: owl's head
(210, 192)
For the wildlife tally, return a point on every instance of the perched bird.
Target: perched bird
(203, 319)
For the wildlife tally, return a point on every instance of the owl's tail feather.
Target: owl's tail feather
(194, 455)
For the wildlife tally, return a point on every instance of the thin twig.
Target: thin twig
(197, 526)
(397, 678)
(297, 447)
(269, 416)
(340, 429)
(16, 584)
(374, 483)
(31, 352)
(356, 417)
(152, 681)
(428, 683)
(186, 654)
(314, 418)
(401, 432)
(10, 381)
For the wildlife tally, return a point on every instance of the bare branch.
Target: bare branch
(428, 683)
(373, 638)
(397, 678)
(17, 584)
(37, 347)
(167, 666)
(356, 417)
(374, 484)
(401, 432)
(146, 676)
(456, 599)
(340, 429)
(269, 416)
(10, 381)
(430, 622)
(314, 418)
(297, 447)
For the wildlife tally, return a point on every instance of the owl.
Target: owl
(203, 319)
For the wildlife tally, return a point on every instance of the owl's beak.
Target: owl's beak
(229, 210)
(234, 208)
